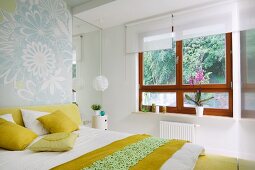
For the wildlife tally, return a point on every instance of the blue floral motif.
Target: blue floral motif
(35, 47)
(57, 9)
(36, 27)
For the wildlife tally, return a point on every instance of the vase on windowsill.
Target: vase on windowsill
(199, 111)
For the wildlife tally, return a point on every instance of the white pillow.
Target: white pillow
(31, 122)
(7, 117)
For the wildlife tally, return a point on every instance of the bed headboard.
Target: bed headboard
(71, 110)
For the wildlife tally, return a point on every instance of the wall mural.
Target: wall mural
(35, 52)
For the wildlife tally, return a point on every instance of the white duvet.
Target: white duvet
(89, 139)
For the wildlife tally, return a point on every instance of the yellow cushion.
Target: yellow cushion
(56, 142)
(15, 137)
(58, 122)
(71, 110)
(2, 120)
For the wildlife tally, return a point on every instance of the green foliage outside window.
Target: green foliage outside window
(207, 53)
(159, 67)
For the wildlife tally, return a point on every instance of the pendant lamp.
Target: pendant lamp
(100, 83)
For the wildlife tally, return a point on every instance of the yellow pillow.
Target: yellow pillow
(58, 122)
(55, 142)
(2, 120)
(14, 137)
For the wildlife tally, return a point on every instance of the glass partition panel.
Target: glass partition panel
(248, 73)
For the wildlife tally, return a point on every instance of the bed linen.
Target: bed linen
(138, 152)
(89, 139)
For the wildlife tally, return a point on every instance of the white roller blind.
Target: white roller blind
(217, 18)
(147, 35)
(222, 17)
(207, 20)
(246, 13)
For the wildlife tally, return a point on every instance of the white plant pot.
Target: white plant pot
(97, 112)
(199, 111)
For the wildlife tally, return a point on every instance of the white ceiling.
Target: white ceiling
(81, 27)
(123, 11)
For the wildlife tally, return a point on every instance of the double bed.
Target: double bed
(90, 140)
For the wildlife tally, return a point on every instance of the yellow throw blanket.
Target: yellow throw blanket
(152, 161)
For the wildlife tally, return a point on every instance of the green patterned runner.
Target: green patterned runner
(129, 155)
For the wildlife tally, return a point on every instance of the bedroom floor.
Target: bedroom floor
(246, 165)
(213, 162)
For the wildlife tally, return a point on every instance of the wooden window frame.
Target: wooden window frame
(180, 89)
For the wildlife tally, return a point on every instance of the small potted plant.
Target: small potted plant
(198, 79)
(96, 108)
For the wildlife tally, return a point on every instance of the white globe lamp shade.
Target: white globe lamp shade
(100, 83)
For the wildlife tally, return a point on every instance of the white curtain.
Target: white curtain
(150, 34)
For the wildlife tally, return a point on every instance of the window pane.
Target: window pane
(220, 100)
(162, 99)
(159, 67)
(207, 53)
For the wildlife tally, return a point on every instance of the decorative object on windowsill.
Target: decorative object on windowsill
(102, 113)
(164, 109)
(198, 79)
(153, 107)
(96, 108)
(145, 108)
(157, 109)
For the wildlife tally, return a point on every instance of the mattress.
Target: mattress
(89, 139)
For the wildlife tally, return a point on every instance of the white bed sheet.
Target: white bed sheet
(89, 139)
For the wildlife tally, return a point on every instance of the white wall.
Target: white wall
(217, 134)
(246, 139)
(88, 69)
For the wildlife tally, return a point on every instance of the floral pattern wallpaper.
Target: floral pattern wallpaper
(35, 52)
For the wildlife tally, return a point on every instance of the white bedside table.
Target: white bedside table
(100, 122)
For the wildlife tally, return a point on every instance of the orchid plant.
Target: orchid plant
(198, 79)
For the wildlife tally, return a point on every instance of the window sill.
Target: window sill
(178, 115)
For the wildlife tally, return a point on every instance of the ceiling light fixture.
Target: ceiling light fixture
(100, 83)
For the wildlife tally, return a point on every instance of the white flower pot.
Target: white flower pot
(97, 112)
(199, 111)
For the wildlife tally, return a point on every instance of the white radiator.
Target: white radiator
(175, 130)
